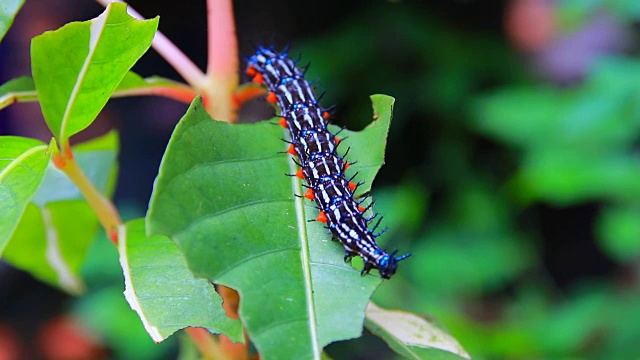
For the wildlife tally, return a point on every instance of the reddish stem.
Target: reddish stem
(248, 92)
(222, 67)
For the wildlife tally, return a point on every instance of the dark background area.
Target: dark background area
(525, 243)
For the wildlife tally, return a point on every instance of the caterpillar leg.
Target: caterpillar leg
(367, 267)
(348, 255)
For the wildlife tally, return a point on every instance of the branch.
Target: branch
(170, 52)
(222, 64)
(101, 205)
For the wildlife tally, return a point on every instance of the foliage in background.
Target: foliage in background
(490, 149)
(493, 160)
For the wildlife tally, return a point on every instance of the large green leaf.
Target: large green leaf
(77, 67)
(412, 336)
(160, 287)
(22, 165)
(53, 237)
(222, 196)
(8, 10)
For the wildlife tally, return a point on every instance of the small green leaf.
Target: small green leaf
(18, 89)
(8, 10)
(22, 165)
(74, 85)
(477, 260)
(568, 175)
(619, 232)
(411, 336)
(107, 142)
(96, 158)
(51, 241)
(52, 238)
(160, 287)
(583, 117)
(223, 197)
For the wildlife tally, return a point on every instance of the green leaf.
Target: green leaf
(53, 237)
(566, 175)
(106, 312)
(96, 158)
(22, 165)
(411, 336)
(222, 196)
(74, 85)
(477, 260)
(8, 10)
(160, 287)
(583, 117)
(18, 89)
(619, 232)
(51, 241)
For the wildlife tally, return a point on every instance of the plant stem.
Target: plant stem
(223, 46)
(183, 93)
(170, 52)
(206, 344)
(222, 63)
(246, 92)
(102, 206)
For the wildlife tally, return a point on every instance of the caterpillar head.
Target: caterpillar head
(389, 263)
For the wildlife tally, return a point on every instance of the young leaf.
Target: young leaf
(18, 89)
(74, 85)
(412, 336)
(51, 241)
(160, 287)
(53, 236)
(22, 165)
(222, 196)
(618, 231)
(97, 158)
(8, 10)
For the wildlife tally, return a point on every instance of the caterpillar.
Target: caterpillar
(321, 167)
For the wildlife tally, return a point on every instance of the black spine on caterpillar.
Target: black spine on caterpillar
(322, 168)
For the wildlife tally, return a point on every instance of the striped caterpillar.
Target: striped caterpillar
(321, 167)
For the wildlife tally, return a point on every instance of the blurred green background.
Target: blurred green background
(512, 170)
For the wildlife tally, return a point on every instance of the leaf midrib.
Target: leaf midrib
(18, 161)
(93, 45)
(306, 259)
